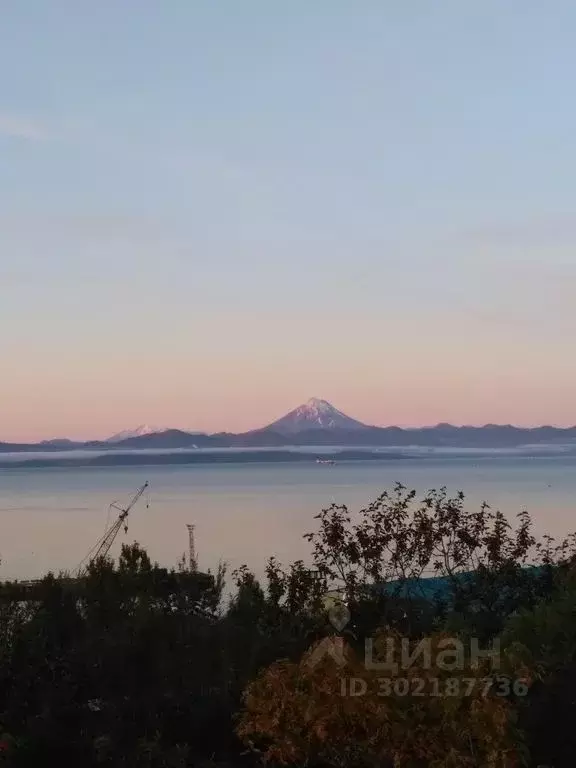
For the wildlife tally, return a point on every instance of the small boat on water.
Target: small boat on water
(325, 461)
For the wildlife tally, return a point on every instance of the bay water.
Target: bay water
(51, 517)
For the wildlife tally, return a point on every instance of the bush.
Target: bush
(300, 714)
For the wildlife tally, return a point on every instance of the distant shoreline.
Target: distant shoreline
(270, 456)
(138, 459)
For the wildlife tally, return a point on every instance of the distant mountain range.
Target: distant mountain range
(316, 423)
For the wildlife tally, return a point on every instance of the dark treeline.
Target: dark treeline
(138, 665)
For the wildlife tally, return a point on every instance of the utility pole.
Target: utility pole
(192, 548)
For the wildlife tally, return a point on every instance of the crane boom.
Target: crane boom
(104, 545)
(110, 536)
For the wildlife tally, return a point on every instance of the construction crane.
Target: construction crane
(103, 545)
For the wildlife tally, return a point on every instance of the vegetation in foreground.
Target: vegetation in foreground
(137, 665)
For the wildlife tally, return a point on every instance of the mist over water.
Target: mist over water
(50, 518)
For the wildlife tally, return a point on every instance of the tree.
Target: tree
(543, 639)
(390, 547)
(319, 713)
(118, 667)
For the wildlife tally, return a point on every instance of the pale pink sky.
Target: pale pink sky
(251, 368)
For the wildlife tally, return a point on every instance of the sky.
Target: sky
(213, 211)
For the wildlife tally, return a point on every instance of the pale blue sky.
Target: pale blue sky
(210, 211)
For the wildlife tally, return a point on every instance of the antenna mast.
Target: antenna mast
(191, 548)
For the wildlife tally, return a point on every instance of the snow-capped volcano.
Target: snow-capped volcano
(315, 414)
(141, 431)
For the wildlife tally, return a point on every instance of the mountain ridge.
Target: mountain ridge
(315, 423)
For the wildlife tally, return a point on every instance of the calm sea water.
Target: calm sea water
(50, 518)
